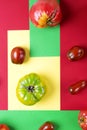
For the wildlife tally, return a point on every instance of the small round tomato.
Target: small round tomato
(4, 127)
(82, 119)
(47, 126)
(30, 89)
(75, 53)
(17, 55)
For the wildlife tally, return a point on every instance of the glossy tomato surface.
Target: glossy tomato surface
(47, 126)
(75, 53)
(30, 89)
(45, 13)
(17, 55)
(77, 87)
(82, 119)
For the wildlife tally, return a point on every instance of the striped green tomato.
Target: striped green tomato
(30, 89)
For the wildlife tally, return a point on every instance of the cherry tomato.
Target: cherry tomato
(82, 119)
(75, 53)
(76, 87)
(47, 126)
(4, 127)
(17, 55)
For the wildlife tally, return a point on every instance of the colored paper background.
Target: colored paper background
(73, 31)
(13, 16)
(47, 67)
(44, 42)
(62, 120)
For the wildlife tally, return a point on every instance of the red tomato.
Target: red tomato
(76, 87)
(82, 119)
(4, 127)
(17, 55)
(47, 126)
(45, 13)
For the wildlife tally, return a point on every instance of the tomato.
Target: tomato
(45, 13)
(4, 127)
(47, 126)
(82, 119)
(17, 55)
(30, 89)
(78, 86)
(75, 53)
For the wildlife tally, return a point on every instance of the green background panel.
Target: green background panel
(45, 41)
(31, 120)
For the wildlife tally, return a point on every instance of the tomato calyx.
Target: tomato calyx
(30, 88)
(51, 17)
(81, 120)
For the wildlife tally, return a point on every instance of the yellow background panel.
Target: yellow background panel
(47, 67)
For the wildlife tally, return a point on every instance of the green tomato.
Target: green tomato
(30, 89)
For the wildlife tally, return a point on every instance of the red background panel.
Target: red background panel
(13, 16)
(73, 31)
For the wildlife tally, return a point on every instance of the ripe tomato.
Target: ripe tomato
(45, 13)
(4, 127)
(17, 55)
(47, 126)
(82, 119)
(75, 53)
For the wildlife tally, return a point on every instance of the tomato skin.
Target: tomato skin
(76, 87)
(4, 127)
(75, 53)
(45, 13)
(82, 119)
(47, 126)
(30, 89)
(17, 55)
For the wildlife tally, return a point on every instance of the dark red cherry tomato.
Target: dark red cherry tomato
(17, 55)
(47, 126)
(4, 127)
(75, 53)
(75, 88)
(82, 119)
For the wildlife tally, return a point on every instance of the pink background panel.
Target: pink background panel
(13, 16)
(73, 31)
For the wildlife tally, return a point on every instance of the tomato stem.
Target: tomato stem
(30, 88)
(82, 119)
(52, 16)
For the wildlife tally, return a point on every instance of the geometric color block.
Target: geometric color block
(73, 31)
(44, 42)
(32, 120)
(47, 67)
(14, 15)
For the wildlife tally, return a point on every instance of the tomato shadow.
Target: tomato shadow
(85, 50)
(27, 55)
(11, 127)
(56, 126)
(49, 86)
(66, 11)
